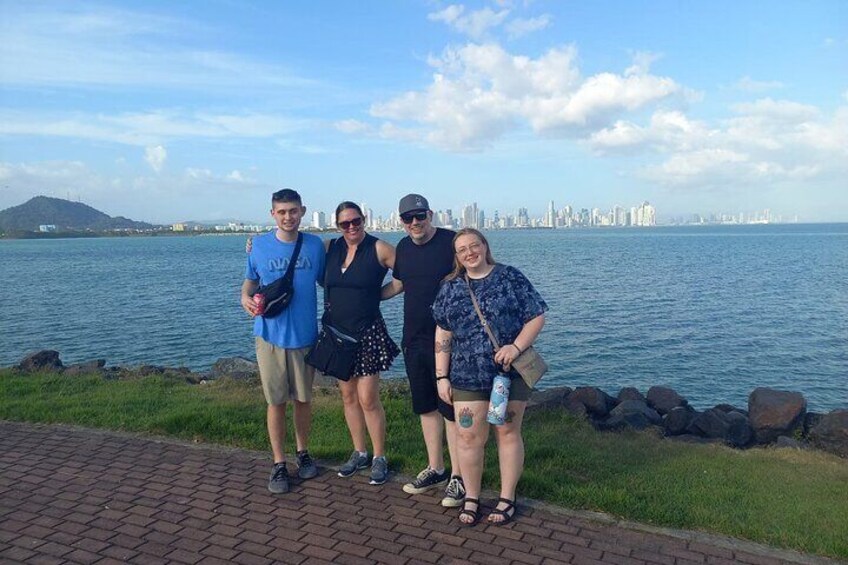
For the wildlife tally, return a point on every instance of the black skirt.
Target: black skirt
(377, 350)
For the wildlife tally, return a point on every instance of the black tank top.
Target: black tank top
(352, 298)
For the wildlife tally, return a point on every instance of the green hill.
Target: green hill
(65, 215)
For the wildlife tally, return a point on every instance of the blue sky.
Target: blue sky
(169, 111)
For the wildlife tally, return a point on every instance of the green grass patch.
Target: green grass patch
(784, 498)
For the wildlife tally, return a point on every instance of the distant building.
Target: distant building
(46, 228)
(178, 227)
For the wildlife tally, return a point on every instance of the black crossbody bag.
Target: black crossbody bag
(279, 294)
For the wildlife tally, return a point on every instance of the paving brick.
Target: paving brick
(131, 500)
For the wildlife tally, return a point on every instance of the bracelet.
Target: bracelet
(517, 348)
(442, 377)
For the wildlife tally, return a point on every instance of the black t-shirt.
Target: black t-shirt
(421, 269)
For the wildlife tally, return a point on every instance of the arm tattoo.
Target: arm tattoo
(443, 346)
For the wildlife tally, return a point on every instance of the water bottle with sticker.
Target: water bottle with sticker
(499, 400)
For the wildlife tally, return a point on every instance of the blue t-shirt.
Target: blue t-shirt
(507, 300)
(297, 325)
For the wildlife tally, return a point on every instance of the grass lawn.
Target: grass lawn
(784, 498)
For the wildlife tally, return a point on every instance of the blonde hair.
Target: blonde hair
(458, 269)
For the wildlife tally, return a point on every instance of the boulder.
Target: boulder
(148, 370)
(87, 368)
(235, 368)
(775, 413)
(44, 360)
(576, 409)
(629, 407)
(548, 398)
(710, 423)
(788, 443)
(677, 420)
(831, 433)
(635, 420)
(630, 393)
(596, 401)
(739, 433)
(811, 420)
(663, 399)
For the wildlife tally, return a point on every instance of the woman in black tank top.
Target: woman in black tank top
(356, 266)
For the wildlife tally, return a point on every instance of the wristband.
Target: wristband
(517, 348)
(442, 377)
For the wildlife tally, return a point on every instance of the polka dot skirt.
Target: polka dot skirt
(377, 350)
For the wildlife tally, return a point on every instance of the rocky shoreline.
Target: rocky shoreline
(772, 417)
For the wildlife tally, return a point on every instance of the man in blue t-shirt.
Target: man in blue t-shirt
(283, 341)
(422, 260)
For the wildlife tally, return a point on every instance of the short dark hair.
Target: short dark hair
(348, 205)
(286, 195)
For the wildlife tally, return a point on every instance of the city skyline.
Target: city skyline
(167, 112)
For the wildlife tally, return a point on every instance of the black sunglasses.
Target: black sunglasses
(409, 216)
(356, 222)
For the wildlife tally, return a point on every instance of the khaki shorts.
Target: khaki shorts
(518, 391)
(284, 373)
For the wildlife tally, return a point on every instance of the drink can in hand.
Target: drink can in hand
(498, 400)
(259, 300)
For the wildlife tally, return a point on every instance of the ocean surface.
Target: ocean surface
(711, 311)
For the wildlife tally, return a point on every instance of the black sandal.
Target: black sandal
(474, 514)
(504, 513)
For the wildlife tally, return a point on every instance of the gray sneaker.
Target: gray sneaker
(279, 481)
(355, 463)
(306, 468)
(427, 479)
(454, 493)
(379, 470)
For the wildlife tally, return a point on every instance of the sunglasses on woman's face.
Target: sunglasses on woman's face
(356, 222)
(408, 217)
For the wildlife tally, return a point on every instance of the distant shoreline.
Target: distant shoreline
(193, 233)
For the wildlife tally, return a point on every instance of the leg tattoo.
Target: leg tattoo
(466, 419)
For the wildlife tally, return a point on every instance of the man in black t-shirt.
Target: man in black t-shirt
(422, 260)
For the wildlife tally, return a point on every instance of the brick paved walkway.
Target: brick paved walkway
(69, 495)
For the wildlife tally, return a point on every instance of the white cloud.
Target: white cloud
(747, 84)
(642, 61)
(236, 176)
(147, 128)
(352, 126)
(155, 157)
(481, 92)
(520, 27)
(473, 24)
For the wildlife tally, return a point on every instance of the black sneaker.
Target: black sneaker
(355, 463)
(306, 468)
(427, 479)
(454, 493)
(379, 471)
(279, 481)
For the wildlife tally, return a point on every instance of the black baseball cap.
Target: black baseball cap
(412, 203)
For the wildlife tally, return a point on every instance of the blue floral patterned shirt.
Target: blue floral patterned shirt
(508, 301)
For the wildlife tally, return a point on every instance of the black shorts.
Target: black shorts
(420, 363)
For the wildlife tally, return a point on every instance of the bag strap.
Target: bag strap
(293, 260)
(483, 321)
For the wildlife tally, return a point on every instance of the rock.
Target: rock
(548, 398)
(87, 368)
(235, 368)
(726, 408)
(596, 401)
(677, 420)
(692, 438)
(629, 407)
(811, 420)
(575, 408)
(635, 420)
(630, 393)
(663, 399)
(148, 370)
(710, 423)
(775, 412)
(44, 360)
(788, 442)
(831, 433)
(739, 433)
